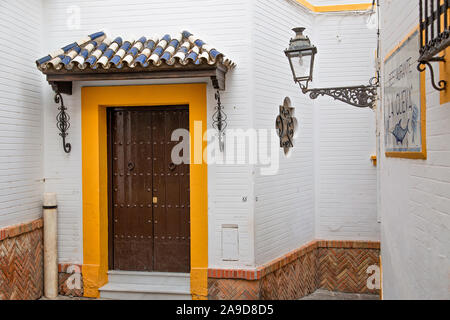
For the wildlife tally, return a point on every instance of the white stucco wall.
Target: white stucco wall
(414, 194)
(21, 165)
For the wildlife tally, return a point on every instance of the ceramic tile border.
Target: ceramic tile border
(16, 230)
(288, 258)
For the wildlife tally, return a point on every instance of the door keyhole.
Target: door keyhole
(130, 166)
(172, 166)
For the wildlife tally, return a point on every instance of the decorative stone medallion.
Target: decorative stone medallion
(286, 125)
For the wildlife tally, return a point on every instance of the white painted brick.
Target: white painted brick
(284, 213)
(21, 166)
(345, 179)
(415, 198)
(327, 189)
(295, 206)
(224, 24)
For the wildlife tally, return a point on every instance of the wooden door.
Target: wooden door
(149, 198)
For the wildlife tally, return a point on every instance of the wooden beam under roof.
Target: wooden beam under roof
(61, 81)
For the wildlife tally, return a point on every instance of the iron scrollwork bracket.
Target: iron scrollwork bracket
(442, 84)
(62, 122)
(358, 96)
(434, 34)
(220, 121)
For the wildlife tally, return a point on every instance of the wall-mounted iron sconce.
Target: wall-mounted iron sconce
(62, 122)
(301, 54)
(286, 125)
(220, 121)
(434, 36)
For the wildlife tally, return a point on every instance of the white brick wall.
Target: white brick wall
(335, 140)
(327, 188)
(284, 213)
(225, 24)
(280, 220)
(345, 136)
(21, 171)
(415, 198)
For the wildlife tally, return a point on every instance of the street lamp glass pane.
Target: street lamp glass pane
(301, 64)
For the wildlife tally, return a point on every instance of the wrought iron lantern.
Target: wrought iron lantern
(301, 55)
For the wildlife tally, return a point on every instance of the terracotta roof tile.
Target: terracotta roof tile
(97, 52)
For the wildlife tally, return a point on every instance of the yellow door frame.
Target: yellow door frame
(94, 102)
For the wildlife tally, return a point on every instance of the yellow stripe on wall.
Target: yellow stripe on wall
(336, 8)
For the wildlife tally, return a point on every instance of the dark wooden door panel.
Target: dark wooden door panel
(172, 225)
(150, 195)
(132, 191)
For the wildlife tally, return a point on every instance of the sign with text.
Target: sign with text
(404, 108)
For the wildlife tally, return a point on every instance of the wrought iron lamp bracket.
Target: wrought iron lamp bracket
(422, 66)
(358, 96)
(434, 33)
(63, 122)
(220, 121)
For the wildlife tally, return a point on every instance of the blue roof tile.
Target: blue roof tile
(97, 51)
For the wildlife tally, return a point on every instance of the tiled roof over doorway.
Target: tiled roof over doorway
(100, 53)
